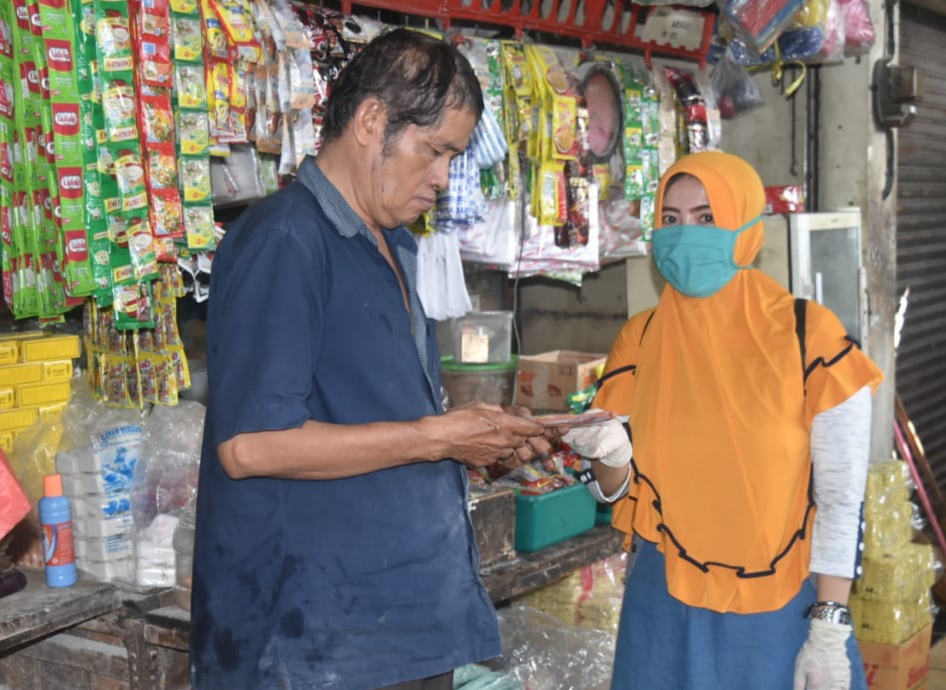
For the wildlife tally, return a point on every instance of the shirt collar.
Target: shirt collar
(346, 222)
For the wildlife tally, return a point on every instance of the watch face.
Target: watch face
(604, 114)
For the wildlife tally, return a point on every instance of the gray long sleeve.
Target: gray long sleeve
(840, 449)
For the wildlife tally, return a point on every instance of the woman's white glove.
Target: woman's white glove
(822, 663)
(606, 442)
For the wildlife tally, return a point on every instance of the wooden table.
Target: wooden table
(37, 610)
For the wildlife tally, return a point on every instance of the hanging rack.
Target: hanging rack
(559, 17)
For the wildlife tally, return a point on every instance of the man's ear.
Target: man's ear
(369, 121)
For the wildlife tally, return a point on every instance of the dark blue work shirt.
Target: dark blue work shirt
(354, 583)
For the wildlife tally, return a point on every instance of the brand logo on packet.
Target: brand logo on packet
(23, 16)
(70, 182)
(66, 119)
(59, 54)
(77, 246)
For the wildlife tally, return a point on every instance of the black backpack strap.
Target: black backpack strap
(801, 306)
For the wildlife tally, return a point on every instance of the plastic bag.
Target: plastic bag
(165, 480)
(544, 654)
(859, 33)
(736, 92)
(13, 503)
(816, 36)
(759, 22)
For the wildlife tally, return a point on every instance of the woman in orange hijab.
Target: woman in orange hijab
(750, 417)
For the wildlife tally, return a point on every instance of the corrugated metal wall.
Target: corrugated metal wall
(921, 236)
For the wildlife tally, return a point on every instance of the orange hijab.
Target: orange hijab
(720, 412)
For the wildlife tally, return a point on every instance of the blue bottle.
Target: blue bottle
(55, 517)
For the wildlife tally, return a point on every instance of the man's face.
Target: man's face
(415, 167)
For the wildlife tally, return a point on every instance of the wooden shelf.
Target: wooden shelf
(38, 610)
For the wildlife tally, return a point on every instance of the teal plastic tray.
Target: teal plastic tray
(553, 517)
(602, 514)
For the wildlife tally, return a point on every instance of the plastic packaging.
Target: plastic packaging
(490, 383)
(184, 556)
(859, 34)
(55, 516)
(736, 92)
(546, 655)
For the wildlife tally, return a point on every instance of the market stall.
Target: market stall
(132, 134)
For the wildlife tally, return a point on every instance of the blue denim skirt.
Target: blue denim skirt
(663, 644)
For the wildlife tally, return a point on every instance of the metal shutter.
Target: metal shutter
(921, 236)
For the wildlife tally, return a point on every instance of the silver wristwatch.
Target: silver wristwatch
(831, 611)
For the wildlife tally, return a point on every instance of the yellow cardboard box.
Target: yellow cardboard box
(545, 380)
(7, 398)
(903, 666)
(9, 352)
(49, 414)
(11, 420)
(6, 441)
(57, 371)
(17, 374)
(35, 394)
(51, 347)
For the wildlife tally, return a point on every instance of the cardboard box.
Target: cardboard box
(903, 666)
(545, 380)
(493, 512)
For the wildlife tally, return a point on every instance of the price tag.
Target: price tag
(674, 27)
(474, 346)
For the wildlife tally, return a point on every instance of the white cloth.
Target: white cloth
(822, 663)
(840, 449)
(441, 285)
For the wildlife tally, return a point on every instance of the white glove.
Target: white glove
(606, 442)
(822, 663)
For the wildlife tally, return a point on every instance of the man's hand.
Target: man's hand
(479, 434)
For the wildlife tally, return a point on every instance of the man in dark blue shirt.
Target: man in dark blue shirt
(334, 547)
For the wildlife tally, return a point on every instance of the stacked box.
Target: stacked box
(35, 380)
(97, 478)
(891, 600)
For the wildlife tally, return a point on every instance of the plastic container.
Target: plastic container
(55, 517)
(184, 556)
(547, 519)
(490, 383)
(482, 337)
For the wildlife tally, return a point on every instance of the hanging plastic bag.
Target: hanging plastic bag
(859, 33)
(13, 503)
(736, 92)
(488, 141)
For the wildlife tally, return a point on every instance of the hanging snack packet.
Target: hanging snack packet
(113, 36)
(186, 38)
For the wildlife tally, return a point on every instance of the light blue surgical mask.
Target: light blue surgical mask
(697, 259)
